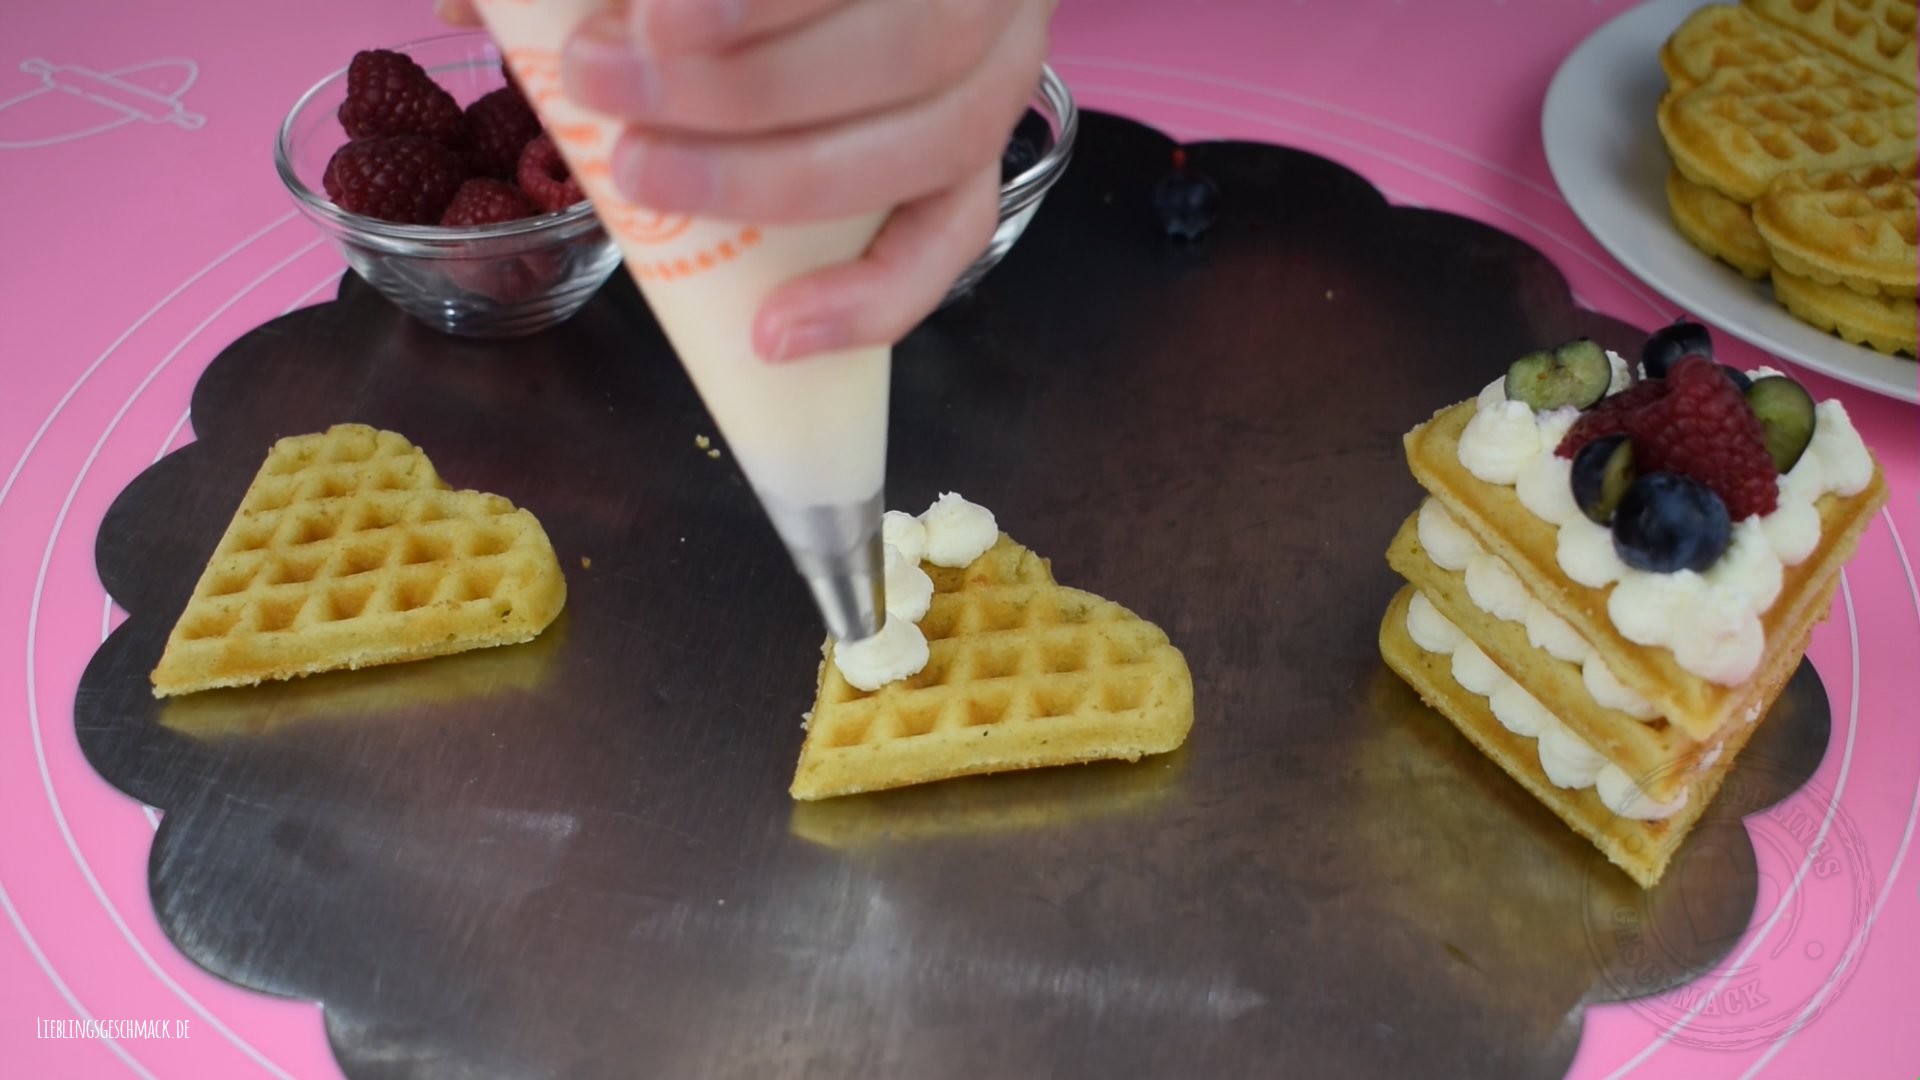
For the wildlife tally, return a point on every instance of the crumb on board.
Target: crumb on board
(702, 441)
(714, 453)
(586, 563)
(1329, 294)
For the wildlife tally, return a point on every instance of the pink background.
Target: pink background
(134, 254)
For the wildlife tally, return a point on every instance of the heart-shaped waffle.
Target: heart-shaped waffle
(1022, 673)
(349, 551)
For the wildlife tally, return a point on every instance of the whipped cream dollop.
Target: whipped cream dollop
(1624, 797)
(1550, 632)
(1568, 760)
(1429, 629)
(1494, 588)
(1609, 691)
(909, 589)
(958, 531)
(1710, 622)
(952, 532)
(901, 530)
(1448, 543)
(898, 651)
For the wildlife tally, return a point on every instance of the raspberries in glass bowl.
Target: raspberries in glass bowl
(424, 196)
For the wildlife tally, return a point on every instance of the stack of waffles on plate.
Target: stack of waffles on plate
(1612, 577)
(1791, 125)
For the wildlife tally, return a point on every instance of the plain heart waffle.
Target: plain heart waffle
(349, 551)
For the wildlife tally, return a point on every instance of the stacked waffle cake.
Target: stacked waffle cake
(1613, 574)
(1791, 125)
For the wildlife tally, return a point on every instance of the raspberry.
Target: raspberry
(486, 201)
(544, 177)
(1611, 416)
(404, 178)
(1703, 428)
(499, 127)
(389, 94)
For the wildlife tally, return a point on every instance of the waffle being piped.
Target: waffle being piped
(1020, 672)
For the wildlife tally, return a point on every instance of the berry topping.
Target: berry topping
(389, 94)
(1703, 428)
(1667, 522)
(543, 175)
(402, 178)
(1667, 345)
(1030, 141)
(1576, 374)
(499, 127)
(486, 201)
(1186, 201)
(1602, 472)
(1611, 415)
(1785, 411)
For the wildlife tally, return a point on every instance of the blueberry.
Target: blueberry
(1030, 141)
(1786, 417)
(1671, 342)
(1739, 377)
(1186, 201)
(1575, 374)
(1668, 522)
(1020, 156)
(1602, 472)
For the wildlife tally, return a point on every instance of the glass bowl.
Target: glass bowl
(1020, 195)
(488, 281)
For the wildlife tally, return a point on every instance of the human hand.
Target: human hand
(781, 111)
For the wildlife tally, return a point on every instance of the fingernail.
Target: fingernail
(455, 12)
(696, 23)
(802, 338)
(602, 70)
(662, 176)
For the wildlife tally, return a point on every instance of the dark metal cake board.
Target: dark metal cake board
(577, 858)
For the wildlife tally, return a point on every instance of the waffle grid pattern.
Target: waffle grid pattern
(1021, 673)
(1876, 34)
(348, 550)
(1854, 227)
(1792, 129)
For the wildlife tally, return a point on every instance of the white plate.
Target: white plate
(1607, 156)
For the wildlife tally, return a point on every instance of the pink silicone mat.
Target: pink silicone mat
(146, 230)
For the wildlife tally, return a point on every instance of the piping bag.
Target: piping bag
(810, 436)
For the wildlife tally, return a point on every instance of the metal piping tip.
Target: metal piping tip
(852, 595)
(837, 548)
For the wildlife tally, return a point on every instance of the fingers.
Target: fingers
(457, 12)
(846, 167)
(879, 298)
(874, 55)
(700, 25)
